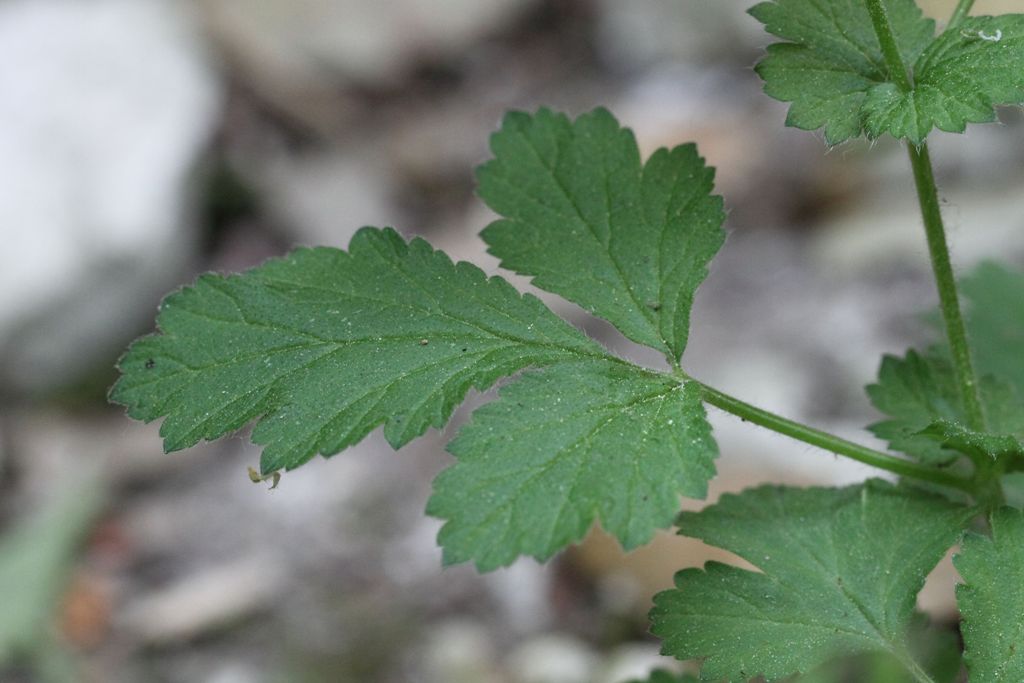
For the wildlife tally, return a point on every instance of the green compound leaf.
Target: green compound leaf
(959, 79)
(995, 322)
(991, 600)
(921, 395)
(36, 561)
(324, 346)
(832, 61)
(568, 445)
(842, 568)
(628, 242)
(833, 72)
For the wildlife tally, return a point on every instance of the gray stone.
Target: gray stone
(106, 105)
(553, 658)
(299, 44)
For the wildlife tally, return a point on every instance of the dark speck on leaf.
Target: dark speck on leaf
(464, 349)
(150, 364)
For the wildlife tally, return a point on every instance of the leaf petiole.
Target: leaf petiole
(961, 12)
(830, 442)
(890, 48)
(949, 302)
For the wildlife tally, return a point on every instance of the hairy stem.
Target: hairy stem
(829, 442)
(890, 48)
(962, 10)
(949, 300)
(928, 197)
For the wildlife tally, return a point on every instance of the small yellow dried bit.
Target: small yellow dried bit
(257, 478)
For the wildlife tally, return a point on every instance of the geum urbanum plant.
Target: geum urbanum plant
(323, 346)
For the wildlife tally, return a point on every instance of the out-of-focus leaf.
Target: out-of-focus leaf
(995, 322)
(34, 561)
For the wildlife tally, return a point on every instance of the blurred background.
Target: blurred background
(145, 141)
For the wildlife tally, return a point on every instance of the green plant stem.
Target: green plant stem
(949, 300)
(986, 474)
(829, 442)
(928, 196)
(890, 48)
(961, 12)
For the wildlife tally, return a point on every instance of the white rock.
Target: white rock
(633, 661)
(105, 105)
(553, 658)
(523, 591)
(459, 652)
